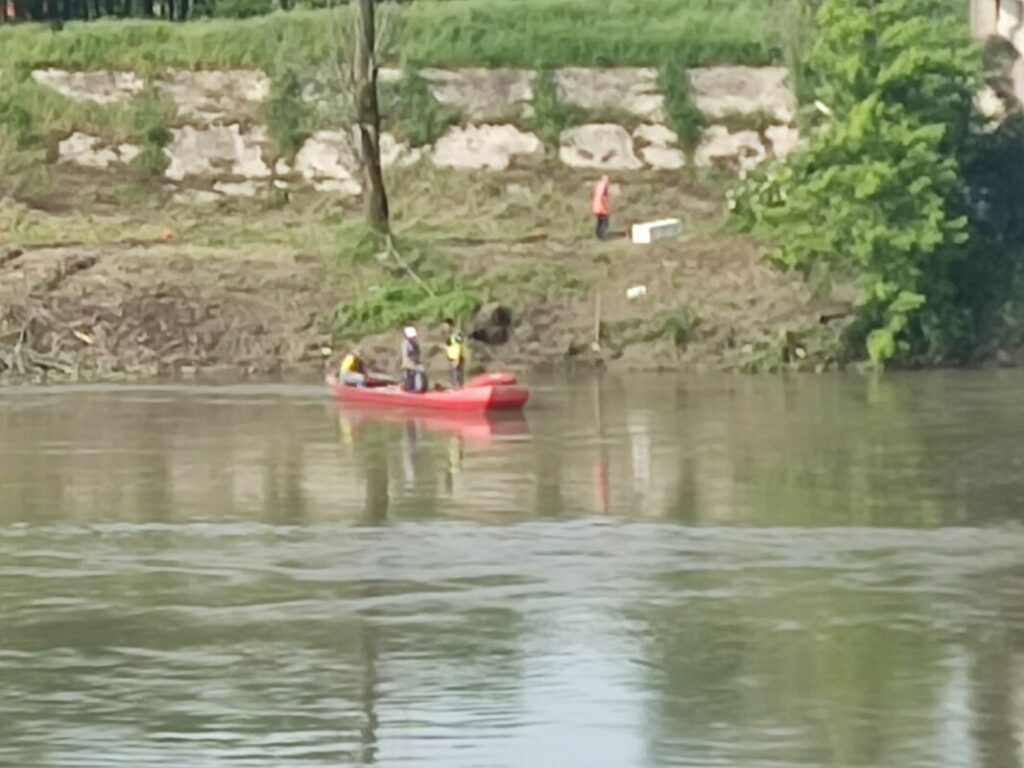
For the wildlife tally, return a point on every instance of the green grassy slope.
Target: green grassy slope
(526, 33)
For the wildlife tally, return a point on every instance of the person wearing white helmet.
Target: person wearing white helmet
(414, 377)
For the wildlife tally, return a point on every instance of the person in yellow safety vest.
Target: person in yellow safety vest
(455, 351)
(353, 369)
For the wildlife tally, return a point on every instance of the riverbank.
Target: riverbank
(144, 188)
(105, 284)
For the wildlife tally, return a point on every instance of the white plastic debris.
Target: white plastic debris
(661, 229)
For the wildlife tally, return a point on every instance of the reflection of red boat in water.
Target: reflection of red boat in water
(476, 427)
(487, 392)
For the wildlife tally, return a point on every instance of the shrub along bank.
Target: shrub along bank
(903, 187)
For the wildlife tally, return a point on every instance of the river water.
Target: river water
(738, 572)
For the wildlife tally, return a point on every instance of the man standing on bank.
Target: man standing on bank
(601, 205)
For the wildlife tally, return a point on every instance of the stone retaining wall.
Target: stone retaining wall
(219, 137)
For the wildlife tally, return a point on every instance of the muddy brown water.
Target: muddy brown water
(663, 571)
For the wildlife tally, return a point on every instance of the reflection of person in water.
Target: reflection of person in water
(602, 489)
(368, 693)
(456, 451)
(601, 484)
(410, 436)
(347, 432)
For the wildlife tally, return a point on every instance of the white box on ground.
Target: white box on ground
(661, 229)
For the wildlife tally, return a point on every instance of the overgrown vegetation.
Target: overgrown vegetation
(39, 116)
(402, 302)
(413, 114)
(19, 166)
(677, 324)
(556, 33)
(301, 38)
(522, 33)
(551, 115)
(821, 347)
(35, 118)
(394, 300)
(152, 116)
(682, 113)
(903, 188)
(290, 119)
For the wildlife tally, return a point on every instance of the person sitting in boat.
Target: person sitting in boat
(414, 377)
(455, 350)
(353, 369)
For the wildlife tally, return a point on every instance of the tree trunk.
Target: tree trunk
(375, 200)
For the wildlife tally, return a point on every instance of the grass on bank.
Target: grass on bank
(516, 33)
(33, 112)
(493, 213)
(551, 33)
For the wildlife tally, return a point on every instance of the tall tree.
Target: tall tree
(360, 35)
(375, 199)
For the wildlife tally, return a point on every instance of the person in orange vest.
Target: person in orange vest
(601, 205)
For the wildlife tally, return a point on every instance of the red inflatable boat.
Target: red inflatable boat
(487, 392)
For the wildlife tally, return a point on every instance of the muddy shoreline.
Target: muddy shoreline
(133, 311)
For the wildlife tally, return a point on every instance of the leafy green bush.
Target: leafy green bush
(398, 300)
(880, 193)
(400, 303)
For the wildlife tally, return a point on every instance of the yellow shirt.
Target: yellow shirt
(455, 349)
(351, 364)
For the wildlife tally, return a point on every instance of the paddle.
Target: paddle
(380, 379)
